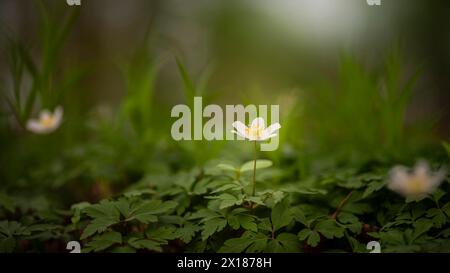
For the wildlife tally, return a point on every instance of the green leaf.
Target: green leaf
(123, 249)
(421, 226)
(269, 197)
(212, 226)
(227, 167)
(238, 218)
(392, 237)
(299, 215)
(329, 229)
(104, 215)
(249, 241)
(294, 188)
(228, 200)
(247, 222)
(187, 232)
(78, 208)
(446, 209)
(284, 243)
(350, 221)
(312, 237)
(236, 245)
(13, 228)
(447, 147)
(357, 247)
(260, 164)
(147, 211)
(163, 233)
(227, 187)
(104, 241)
(437, 216)
(373, 187)
(140, 243)
(281, 215)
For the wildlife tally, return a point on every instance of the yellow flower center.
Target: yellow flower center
(416, 185)
(254, 132)
(47, 121)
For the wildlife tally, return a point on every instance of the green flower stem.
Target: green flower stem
(254, 173)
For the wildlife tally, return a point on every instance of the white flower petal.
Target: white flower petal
(422, 169)
(45, 114)
(33, 125)
(37, 128)
(58, 117)
(258, 122)
(240, 127)
(398, 178)
(438, 178)
(272, 128)
(238, 133)
(58, 114)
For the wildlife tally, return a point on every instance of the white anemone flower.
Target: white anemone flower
(416, 184)
(47, 122)
(257, 130)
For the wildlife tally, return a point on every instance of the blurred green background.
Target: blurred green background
(356, 85)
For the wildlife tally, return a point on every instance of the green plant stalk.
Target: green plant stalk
(254, 173)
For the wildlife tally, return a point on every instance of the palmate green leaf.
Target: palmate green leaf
(103, 241)
(229, 186)
(437, 216)
(283, 243)
(13, 228)
(350, 221)
(373, 187)
(228, 200)
(8, 231)
(260, 164)
(205, 214)
(140, 243)
(281, 215)
(249, 242)
(299, 216)
(268, 198)
(357, 247)
(162, 234)
(212, 226)
(187, 232)
(240, 218)
(78, 208)
(329, 228)
(421, 226)
(213, 221)
(312, 237)
(390, 237)
(104, 215)
(147, 211)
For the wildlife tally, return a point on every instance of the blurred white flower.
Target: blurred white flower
(257, 130)
(416, 184)
(47, 122)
